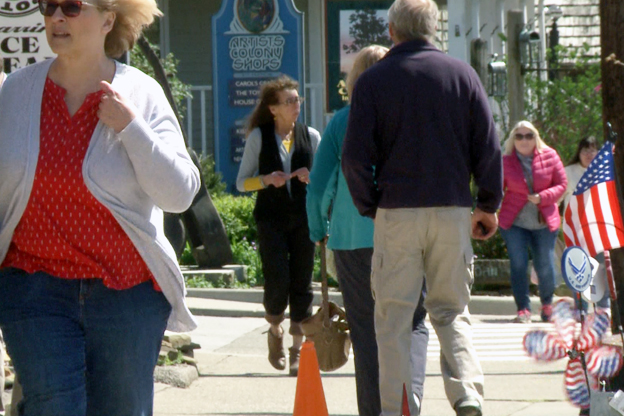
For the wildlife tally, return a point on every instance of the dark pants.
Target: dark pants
(79, 347)
(354, 276)
(287, 256)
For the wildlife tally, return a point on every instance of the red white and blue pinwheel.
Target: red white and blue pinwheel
(602, 361)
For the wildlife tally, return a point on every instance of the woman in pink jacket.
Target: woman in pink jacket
(534, 180)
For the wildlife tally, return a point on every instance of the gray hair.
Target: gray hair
(413, 19)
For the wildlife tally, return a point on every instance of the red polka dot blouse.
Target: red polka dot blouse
(64, 230)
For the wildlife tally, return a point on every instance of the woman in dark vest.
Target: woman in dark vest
(276, 162)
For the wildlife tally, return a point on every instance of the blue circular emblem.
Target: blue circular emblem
(576, 268)
(255, 15)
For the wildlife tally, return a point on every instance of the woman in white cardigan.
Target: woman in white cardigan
(90, 155)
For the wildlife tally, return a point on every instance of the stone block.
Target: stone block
(181, 375)
(497, 272)
(494, 272)
(239, 270)
(212, 275)
(178, 340)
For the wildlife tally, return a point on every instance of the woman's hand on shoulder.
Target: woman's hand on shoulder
(115, 110)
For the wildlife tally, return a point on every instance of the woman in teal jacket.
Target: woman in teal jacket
(351, 239)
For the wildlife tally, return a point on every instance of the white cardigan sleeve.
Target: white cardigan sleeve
(156, 148)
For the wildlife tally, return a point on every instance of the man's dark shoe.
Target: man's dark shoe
(468, 407)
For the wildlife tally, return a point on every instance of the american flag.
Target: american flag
(593, 219)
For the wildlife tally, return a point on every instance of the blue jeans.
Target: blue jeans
(541, 244)
(79, 347)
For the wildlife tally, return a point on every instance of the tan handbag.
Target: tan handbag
(328, 328)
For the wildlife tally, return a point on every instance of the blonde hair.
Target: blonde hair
(131, 17)
(366, 58)
(413, 19)
(509, 147)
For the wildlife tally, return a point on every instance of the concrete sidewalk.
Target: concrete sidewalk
(236, 378)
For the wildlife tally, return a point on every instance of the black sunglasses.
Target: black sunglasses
(70, 8)
(528, 136)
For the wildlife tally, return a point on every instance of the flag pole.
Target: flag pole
(613, 295)
(574, 353)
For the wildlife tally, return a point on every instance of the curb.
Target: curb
(248, 303)
(252, 295)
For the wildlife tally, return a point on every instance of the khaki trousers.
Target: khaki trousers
(409, 244)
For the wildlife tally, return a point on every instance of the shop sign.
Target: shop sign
(22, 35)
(253, 41)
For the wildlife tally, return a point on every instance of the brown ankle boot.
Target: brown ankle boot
(294, 361)
(277, 355)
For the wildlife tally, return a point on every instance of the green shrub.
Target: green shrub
(246, 253)
(197, 282)
(493, 248)
(237, 215)
(240, 226)
(164, 360)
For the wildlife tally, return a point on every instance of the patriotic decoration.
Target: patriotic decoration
(593, 219)
(602, 361)
(576, 269)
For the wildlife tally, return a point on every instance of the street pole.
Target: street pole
(542, 26)
(553, 43)
(612, 52)
(515, 81)
(479, 59)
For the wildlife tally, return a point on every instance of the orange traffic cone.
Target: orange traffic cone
(309, 397)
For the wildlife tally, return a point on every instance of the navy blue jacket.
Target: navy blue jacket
(420, 126)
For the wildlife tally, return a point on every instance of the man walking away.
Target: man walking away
(419, 129)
